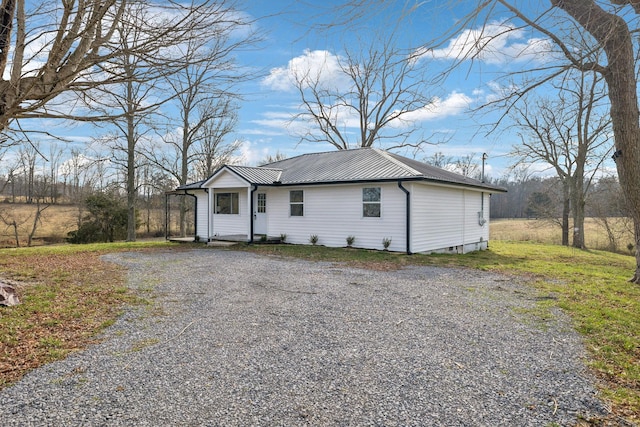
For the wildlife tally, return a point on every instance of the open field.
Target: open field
(543, 231)
(55, 222)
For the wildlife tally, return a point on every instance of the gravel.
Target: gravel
(235, 339)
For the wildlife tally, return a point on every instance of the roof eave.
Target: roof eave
(388, 179)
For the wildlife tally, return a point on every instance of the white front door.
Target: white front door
(260, 214)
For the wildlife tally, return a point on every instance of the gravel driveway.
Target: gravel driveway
(236, 339)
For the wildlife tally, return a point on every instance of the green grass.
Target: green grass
(591, 286)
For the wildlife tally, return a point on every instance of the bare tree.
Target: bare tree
(570, 134)
(608, 30)
(133, 107)
(374, 97)
(203, 89)
(213, 149)
(439, 160)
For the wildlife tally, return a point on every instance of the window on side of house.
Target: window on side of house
(296, 203)
(227, 203)
(371, 202)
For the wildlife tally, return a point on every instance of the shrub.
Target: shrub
(313, 239)
(386, 242)
(283, 237)
(350, 240)
(105, 222)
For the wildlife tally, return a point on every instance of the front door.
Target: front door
(260, 214)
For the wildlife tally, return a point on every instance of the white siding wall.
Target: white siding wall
(474, 232)
(226, 179)
(202, 212)
(228, 224)
(446, 219)
(436, 217)
(335, 212)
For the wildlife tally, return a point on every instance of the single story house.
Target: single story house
(367, 193)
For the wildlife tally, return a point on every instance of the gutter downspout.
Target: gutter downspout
(166, 216)
(206, 190)
(254, 188)
(408, 216)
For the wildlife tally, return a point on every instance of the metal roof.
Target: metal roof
(257, 175)
(343, 166)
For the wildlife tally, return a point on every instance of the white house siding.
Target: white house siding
(226, 179)
(475, 235)
(335, 212)
(437, 215)
(446, 219)
(231, 224)
(202, 215)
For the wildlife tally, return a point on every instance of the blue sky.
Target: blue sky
(292, 39)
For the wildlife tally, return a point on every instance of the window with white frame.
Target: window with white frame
(262, 203)
(371, 202)
(296, 203)
(227, 203)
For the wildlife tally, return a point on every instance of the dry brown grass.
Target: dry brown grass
(543, 231)
(55, 222)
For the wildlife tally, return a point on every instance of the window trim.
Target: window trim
(372, 202)
(232, 195)
(296, 203)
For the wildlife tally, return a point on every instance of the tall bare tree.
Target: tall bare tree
(214, 148)
(148, 78)
(570, 134)
(204, 91)
(374, 97)
(131, 104)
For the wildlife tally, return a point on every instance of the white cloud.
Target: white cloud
(252, 153)
(454, 104)
(314, 65)
(496, 43)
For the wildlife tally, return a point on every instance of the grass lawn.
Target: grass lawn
(69, 295)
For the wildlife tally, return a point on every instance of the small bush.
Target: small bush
(283, 237)
(313, 239)
(386, 242)
(350, 240)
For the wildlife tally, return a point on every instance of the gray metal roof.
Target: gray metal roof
(257, 175)
(365, 164)
(357, 165)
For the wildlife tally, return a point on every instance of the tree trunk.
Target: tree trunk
(566, 207)
(131, 180)
(614, 36)
(578, 213)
